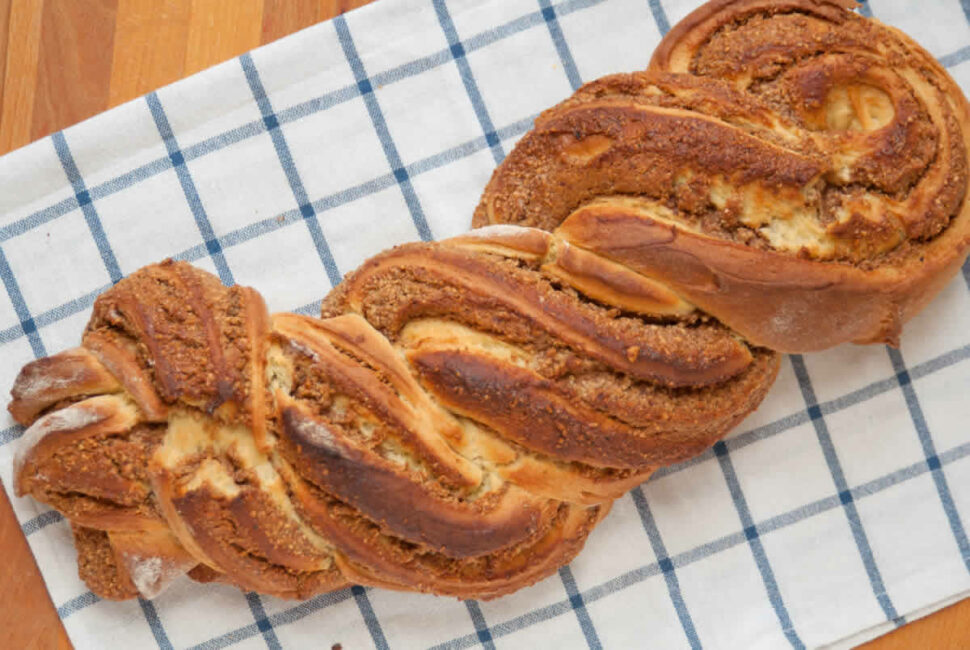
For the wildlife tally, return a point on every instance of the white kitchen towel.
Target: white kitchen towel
(839, 509)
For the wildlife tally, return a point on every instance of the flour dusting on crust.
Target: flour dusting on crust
(71, 418)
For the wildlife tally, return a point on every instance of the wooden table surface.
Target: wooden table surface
(66, 60)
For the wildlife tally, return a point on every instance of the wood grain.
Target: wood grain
(282, 17)
(150, 43)
(27, 616)
(4, 27)
(948, 629)
(74, 65)
(65, 60)
(220, 30)
(20, 72)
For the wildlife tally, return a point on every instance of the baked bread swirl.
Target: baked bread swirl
(790, 167)
(787, 176)
(457, 421)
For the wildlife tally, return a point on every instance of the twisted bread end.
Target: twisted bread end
(788, 166)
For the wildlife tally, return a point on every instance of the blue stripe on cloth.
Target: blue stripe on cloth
(965, 4)
(53, 315)
(341, 95)
(39, 218)
(481, 627)
(757, 548)
(224, 139)
(468, 80)
(12, 334)
(838, 477)
(366, 188)
(41, 521)
(87, 205)
(188, 188)
(129, 179)
(370, 619)
(69, 308)
(559, 41)
(277, 620)
(262, 622)
(522, 23)
(10, 434)
(380, 126)
(929, 450)
(289, 168)
(513, 625)
(955, 58)
(65, 206)
(843, 402)
(75, 604)
(663, 560)
(660, 17)
(155, 624)
(579, 608)
(27, 324)
(309, 309)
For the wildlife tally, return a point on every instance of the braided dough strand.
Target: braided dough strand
(788, 166)
(457, 422)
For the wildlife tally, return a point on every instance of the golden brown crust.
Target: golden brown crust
(98, 565)
(694, 29)
(392, 499)
(787, 166)
(457, 423)
(543, 417)
(63, 376)
(415, 281)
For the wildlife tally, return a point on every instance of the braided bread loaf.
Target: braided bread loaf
(457, 422)
(788, 166)
(464, 412)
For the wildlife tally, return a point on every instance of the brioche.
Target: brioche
(789, 167)
(785, 177)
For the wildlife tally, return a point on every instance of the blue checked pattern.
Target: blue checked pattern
(212, 245)
(837, 512)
